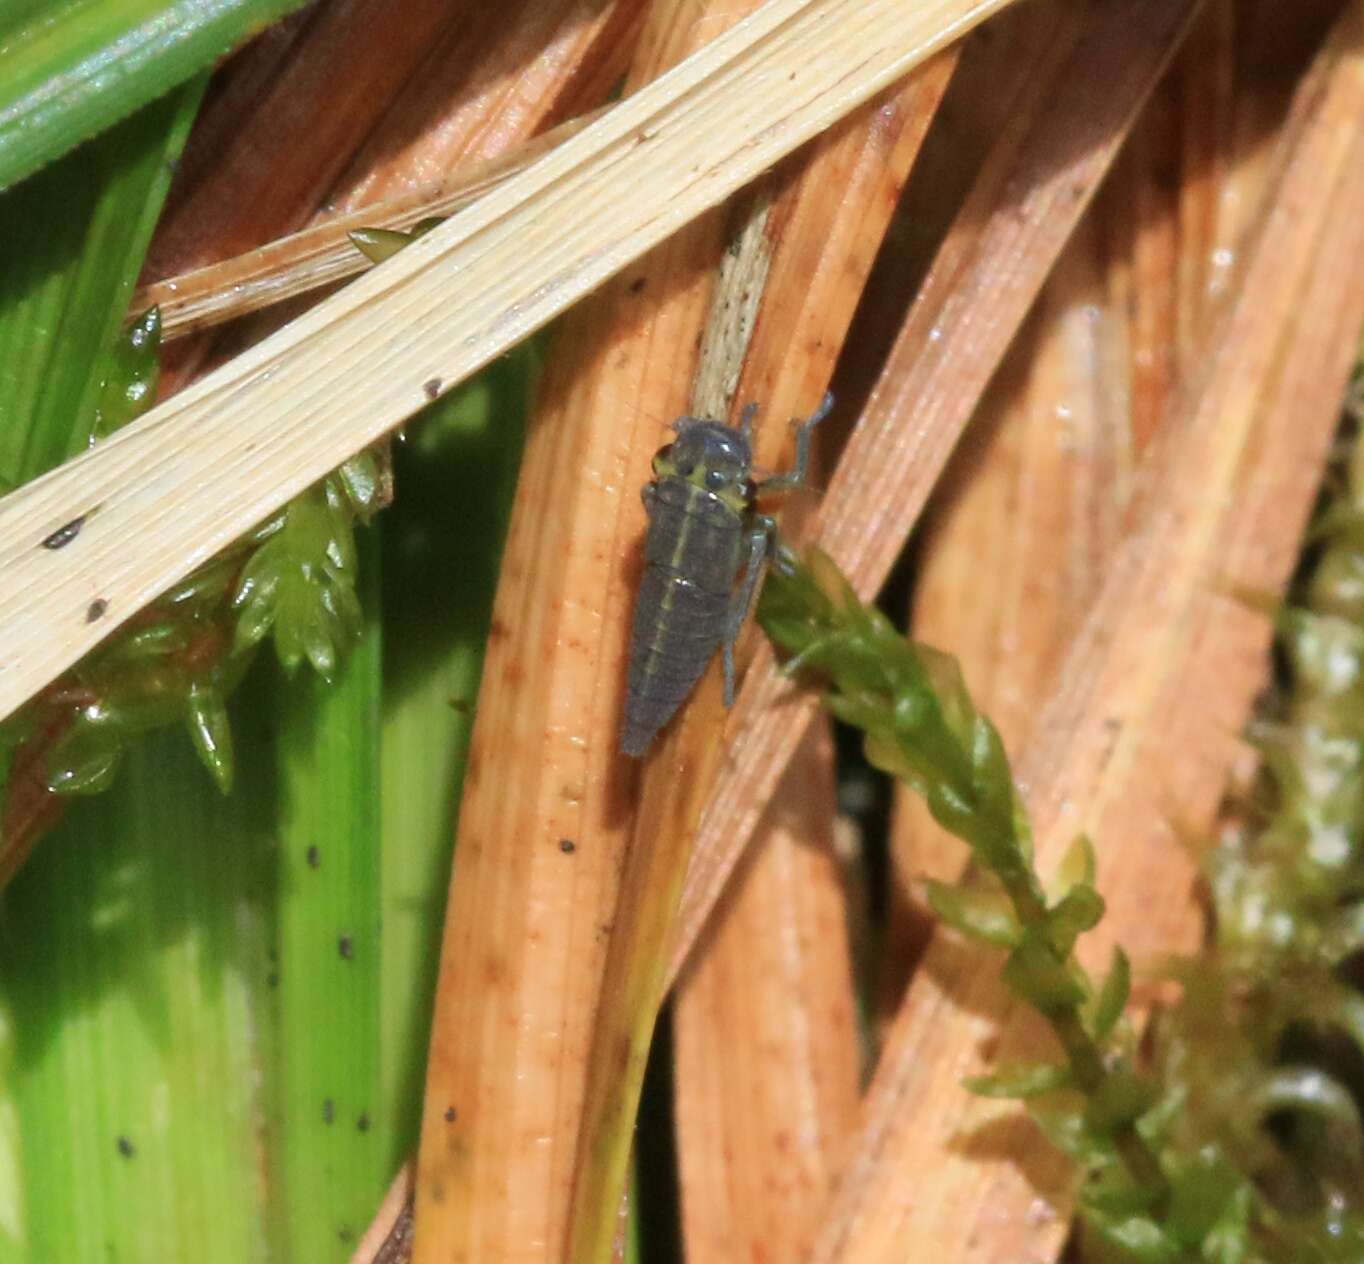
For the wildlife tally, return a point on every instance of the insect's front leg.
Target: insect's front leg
(795, 476)
(761, 535)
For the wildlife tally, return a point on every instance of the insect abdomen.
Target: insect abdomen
(691, 558)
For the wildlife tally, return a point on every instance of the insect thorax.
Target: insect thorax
(712, 457)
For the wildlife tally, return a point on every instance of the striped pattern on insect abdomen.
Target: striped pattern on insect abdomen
(692, 556)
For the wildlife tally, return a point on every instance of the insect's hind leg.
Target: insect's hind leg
(795, 476)
(761, 537)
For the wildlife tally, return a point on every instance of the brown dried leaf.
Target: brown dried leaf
(765, 1047)
(1220, 498)
(1081, 101)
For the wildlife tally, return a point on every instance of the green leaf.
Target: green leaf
(1138, 1239)
(74, 241)
(979, 913)
(1112, 997)
(132, 944)
(1034, 973)
(211, 733)
(131, 375)
(1080, 909)
(73, 67)
(1078, 866)
(85, 760)
(379, 244)
(1229, 1240)
(1022, 1081)
(365, 483)
(1207, 1191)
(300, 583)
(330, 1144)
(1122, 1098)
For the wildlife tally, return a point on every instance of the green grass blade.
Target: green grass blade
(72, 68)
(127, 966)
(74, 238)
(328, 1151)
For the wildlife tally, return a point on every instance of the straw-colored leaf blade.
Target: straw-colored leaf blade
(280, 416)
(326, 252)
(365, 107)
(73, 68)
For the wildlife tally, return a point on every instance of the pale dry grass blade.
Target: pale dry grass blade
(765, 1045)
(270, 423)
(323, 254)
(388, 1240)
(488, 84)
(1035, 184)
(1220, 497)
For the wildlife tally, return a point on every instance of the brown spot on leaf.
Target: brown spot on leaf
(63, 536)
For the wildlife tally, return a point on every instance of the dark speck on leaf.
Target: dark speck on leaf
(272, 979)
(125, 1147)
(451, 1114)
(63, 536)
(362, 1124)
(96, 610)
(346, 947)
(314, 857)
(328, 1110)
(567, 846)
(431, 387)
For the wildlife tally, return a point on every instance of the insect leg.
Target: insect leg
(760, 538)
(795, 476)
